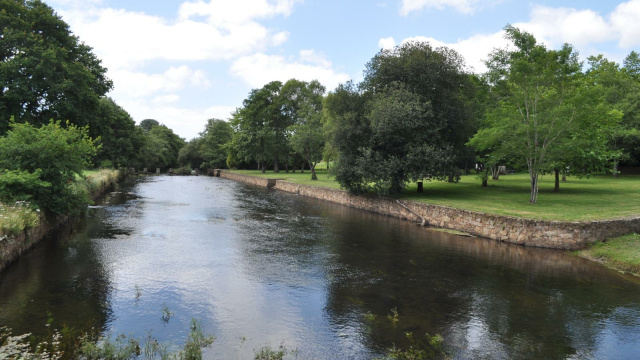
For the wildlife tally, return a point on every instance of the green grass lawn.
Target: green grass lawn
(621, 253)
(601, 197)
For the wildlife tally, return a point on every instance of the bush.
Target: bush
(42, 164)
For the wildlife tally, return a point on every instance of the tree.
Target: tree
(119, 140)
(190, 154)
(534, 115)
(260, 127)
(147, 124)
(213, 148)
(160, 148)
(45, 71)
(307, 137)
(347, 127)
(410, 119)
(438, 76)
(48, 158)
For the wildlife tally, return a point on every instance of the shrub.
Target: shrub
(42, 164)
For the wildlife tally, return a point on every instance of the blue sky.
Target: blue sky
(183, 62)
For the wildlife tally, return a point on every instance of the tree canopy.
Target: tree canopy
(45, 71)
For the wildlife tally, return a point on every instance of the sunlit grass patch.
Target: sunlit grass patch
(596, 198)
(622, 253)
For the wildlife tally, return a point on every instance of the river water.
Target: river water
(261, 267)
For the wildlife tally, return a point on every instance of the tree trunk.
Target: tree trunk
(276, 165)
(286, 164)
(533, 176)
(264, 168)
(616, 172)
(557, 186)
(313, 171)
(450, 179)
(420, 186)
(564, 176)
(495, 173)
(302, 168)
(327, 165)
(259, 166)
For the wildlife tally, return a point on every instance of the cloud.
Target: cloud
(186, 122)
(463, 6)
(474, 49)
(138, 84)
(386, 43)
(555, 26)
(624, 21)
(552, 26)
(259, 69)
(217, 30)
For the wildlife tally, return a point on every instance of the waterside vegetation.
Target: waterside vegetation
(621, 253)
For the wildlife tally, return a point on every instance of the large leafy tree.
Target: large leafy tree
(45, 71)
(347, 129)
(437, 76)
(260, 127)
(42, 163)
(214, 139)
(543, 112)
(303, 102)
(409, 120)
(119, 139)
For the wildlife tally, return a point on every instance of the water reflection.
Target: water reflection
(261, 267)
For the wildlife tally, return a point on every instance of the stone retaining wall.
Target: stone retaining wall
(538, 233)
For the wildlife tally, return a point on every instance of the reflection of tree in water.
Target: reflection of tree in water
(63, 278)
(488, 299)
(280, 237)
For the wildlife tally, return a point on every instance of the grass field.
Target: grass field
(622, 253)
(597, 198)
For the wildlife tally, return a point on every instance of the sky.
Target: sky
(183, 62)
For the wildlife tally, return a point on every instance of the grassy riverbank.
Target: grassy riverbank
(597, 198)
(20, 216)
(621, 253)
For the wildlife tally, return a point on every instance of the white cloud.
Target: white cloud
(386, 43)
(231, 13)
(474, 49)
(464, 6)
(139, 84)
(625, 21)
(552, 26)
(125, 39)
(259, 69)
(166, 99)
(186, 122)
(555, 26)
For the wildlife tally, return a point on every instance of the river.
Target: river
(261, 267)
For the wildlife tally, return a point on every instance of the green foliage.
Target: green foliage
(429, 347)
(46, 71)
(268, 353)
(304, 103)
(160, 148)
(16, 218)
(622, 253)
(541, 110)
(411, 121)
(260, 127)
(213, 146)
(148, 124)
(53, 153)
(119, 140)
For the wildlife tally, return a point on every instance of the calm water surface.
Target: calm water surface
(261, 267)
